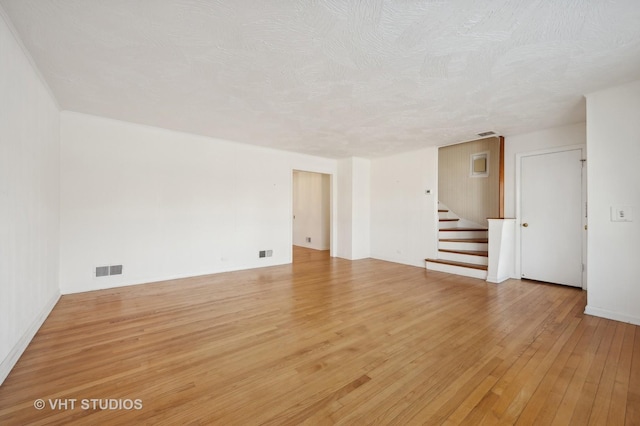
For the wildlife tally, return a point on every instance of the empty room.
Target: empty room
(326, 212)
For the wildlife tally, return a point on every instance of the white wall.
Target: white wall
(311, 210)
(29, 200)
(403, 218)
(613, 147)
(345, 208)
(574, 134)
(354, 193)
(361, 208)
(166, 204)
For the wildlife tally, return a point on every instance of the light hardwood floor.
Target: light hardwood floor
(329, 341)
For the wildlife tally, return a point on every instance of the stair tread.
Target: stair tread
(482, 253)
(461, 264)
(442, 211)
(464, 229)
(465, 240)
(448, 220)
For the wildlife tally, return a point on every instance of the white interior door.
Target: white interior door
(551, 213)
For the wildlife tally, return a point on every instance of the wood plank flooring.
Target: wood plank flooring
(329, 341)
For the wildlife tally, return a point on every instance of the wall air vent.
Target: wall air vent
(105, 271)
(485, 134)
(102, 271)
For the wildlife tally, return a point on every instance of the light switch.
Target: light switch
(621, 214)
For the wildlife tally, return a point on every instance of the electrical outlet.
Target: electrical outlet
(262, 253)
(269, 253)
(308, 239)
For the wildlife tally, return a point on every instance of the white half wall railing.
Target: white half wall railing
(501, 250)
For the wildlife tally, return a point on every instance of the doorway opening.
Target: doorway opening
(311, 233)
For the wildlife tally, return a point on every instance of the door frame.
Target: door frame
(519, 157)
(333, 228)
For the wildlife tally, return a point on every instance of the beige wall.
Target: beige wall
(311, 194)
(471, 198)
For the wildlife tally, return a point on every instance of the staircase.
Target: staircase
(462, 247)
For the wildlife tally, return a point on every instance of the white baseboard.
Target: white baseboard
(12, 358)
(105, 285)
(313, 246)
(497, 280)
(604, 313)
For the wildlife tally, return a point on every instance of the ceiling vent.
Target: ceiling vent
(484, 134)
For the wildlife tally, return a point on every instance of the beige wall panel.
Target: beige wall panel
(472, 198)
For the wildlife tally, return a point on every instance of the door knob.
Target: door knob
(525, 225)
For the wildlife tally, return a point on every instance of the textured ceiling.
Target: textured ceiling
(330, 77)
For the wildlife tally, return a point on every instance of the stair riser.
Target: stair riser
(464, 258)
(463, 246)
(458, 270)
(461, 234)
(447, 225)
(447, 215)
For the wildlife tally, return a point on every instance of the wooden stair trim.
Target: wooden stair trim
(460, 264)
(501, 178)
(448, 220)
(480, 253)
(443, 211)
(465, 240)
(462, 229)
